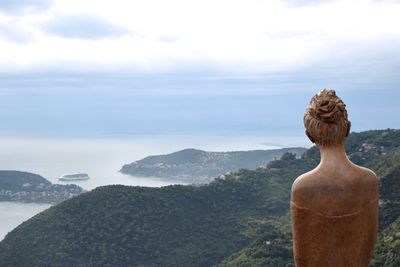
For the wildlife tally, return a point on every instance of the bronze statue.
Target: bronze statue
(334, 207)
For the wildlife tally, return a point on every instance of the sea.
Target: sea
(102, 159)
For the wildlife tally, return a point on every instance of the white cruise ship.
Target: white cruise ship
(74, 177)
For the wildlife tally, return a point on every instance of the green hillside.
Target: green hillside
(240, 220)
(171, 226)
(378, 150)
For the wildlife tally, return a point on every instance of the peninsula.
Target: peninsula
(32, 188)
(198, 166)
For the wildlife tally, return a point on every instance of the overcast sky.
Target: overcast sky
(237, 62)
(234, 36)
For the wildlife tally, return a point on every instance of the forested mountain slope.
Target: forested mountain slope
(241, 220)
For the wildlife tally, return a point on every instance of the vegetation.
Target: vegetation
(378, 150)
(30, 187)
(171, 226)
(388, 246)
(13, 180)
(241, 219)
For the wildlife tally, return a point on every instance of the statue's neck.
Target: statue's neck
(333, 155)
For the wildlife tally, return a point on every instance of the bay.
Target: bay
(13, 214)
(103, 158)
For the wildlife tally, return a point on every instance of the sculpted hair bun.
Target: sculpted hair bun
(326, 119)
(328, 107)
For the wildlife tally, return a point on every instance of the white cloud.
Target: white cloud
(231, 36)
(12, 32)
(23, 6)
(302, 3)
(82, 27)
(168, 38)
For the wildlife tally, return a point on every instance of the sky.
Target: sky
(102, 68)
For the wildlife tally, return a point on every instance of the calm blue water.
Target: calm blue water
(12, 214)
(102, 158)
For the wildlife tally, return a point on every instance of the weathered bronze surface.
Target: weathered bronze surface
(334, 207)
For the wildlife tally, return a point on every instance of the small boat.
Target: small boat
(74, 177)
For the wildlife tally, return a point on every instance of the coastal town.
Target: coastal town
(32, 188)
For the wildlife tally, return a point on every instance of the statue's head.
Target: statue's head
(326, 120)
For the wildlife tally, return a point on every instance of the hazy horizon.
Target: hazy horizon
(127, 106)
(98, 69)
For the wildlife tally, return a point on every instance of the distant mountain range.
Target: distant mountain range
(198, 166)
(29, 187)
(240, 219)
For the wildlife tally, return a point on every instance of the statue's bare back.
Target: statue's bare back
(335, 206)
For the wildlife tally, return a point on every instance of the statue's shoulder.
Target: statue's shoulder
(366, 176)
(317, 179)
(303, 181)
(303, 186)
(335, 191)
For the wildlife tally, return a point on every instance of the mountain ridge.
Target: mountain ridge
(241, 219)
